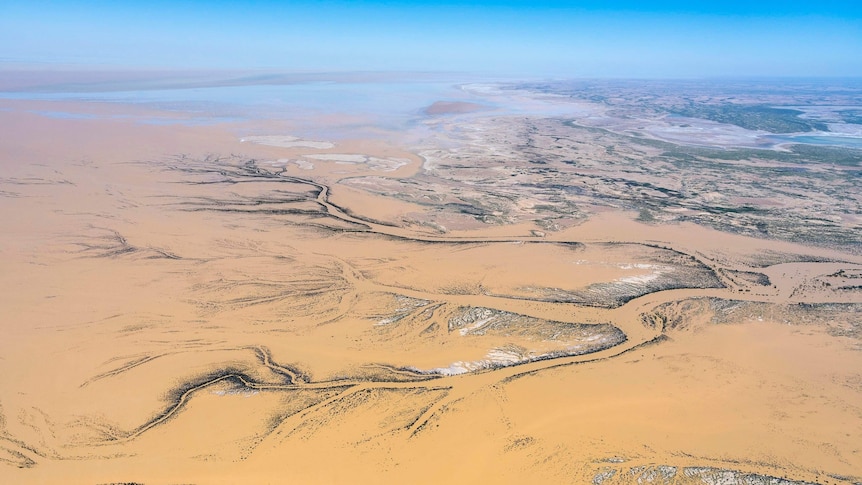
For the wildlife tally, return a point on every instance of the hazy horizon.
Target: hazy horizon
(513, 38)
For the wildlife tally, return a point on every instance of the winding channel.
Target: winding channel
(626, 317)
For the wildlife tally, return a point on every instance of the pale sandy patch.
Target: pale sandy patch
(286, 141)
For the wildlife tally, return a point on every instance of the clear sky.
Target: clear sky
(533, 38)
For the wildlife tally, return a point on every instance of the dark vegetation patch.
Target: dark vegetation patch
(746, 278)
(700, 475)
(837, 319)
(853, 116)
(15, 458)
(763, 118)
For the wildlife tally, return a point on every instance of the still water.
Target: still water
(341, 106)
(828, 140)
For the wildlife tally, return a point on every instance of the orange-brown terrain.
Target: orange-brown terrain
(508, 299)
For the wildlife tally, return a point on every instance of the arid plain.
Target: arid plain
(554, 283)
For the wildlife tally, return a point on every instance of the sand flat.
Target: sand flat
(159, 279)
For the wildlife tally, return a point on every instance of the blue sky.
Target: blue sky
(539, 38)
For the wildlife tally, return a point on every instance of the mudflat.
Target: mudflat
(500, 297)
